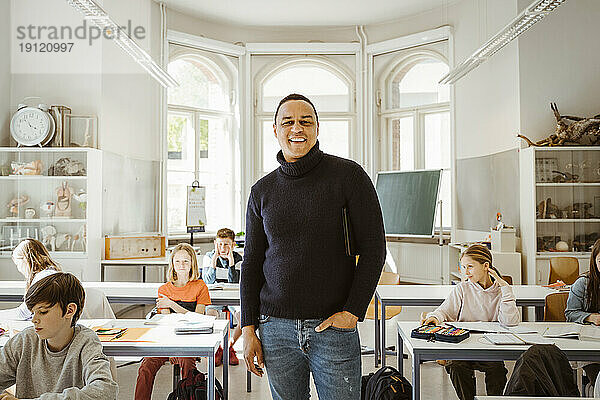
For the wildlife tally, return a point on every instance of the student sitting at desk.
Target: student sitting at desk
(223, 265)
(33, 262)
(55, 355)
(484, 296)
(184, 292)
(583, 304)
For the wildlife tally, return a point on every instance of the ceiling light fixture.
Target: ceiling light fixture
(525, 20)
(95, 14)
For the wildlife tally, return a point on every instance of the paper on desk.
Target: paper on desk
(491, 327)
(574, 331)
(189, 318)
(511, 338)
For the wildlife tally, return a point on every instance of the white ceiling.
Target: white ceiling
(303, 12)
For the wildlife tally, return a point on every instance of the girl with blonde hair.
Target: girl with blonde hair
(33, 262)
(482, 296)
(184, 292)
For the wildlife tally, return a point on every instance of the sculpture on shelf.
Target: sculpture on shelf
(26, 168)
(49, 237)
(80, 238)
(47, 208)
(63, 201)
(15, 204)
(565, 177)
(81, 197)
(61, 239)
(67, 167)
(30, 213)
(571, 131)
(545, 209)
(578, 211)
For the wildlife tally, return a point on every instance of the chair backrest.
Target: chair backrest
(565, 269)
(389, 278)
(555, 305)
(386, 278)
(96, 305)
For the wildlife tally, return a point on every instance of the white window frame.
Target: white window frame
(340, 71)
(379, 115)
(232, 116)
(253, 143)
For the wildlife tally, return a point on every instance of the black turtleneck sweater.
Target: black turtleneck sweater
(295, 264)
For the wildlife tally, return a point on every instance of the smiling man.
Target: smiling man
(299, 287)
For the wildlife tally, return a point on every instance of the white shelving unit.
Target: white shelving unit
(576, 225)
(83, 262)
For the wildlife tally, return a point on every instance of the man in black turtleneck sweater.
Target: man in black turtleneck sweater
(299, 287)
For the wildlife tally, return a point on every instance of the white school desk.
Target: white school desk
(132, 293)
(477, 348)
(524, 398)
(124, 292)
(166, 344)
(136, 262)
(434, 295)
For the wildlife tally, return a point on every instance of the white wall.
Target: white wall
(96, 79)
(559, 61)
(4, 73)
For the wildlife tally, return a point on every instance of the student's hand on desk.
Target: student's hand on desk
(498, 278)
(164, 302)
(429, 321)
(593, 319)
(342, 319)
(252, 349)
(7, 396)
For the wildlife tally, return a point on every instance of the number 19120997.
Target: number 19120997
(44, 47)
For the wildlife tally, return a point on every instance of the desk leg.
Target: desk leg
(376, 352)
(416, 380)
(539, 313)
(211, 376)
(143, 273)
(226, 364)
(400, 352)
(382, 344)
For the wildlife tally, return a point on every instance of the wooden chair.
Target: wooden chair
(565, 269)
(554, 307)
(386, 278)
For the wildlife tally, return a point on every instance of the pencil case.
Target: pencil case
(452, 335)
(440, 333)
(426, 332)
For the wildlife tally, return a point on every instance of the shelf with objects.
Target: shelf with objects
(53, 195)
(560, 206)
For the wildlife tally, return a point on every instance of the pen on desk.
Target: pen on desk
(118, 335)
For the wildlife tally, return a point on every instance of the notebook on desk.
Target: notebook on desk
(573, 331)
(510, 338)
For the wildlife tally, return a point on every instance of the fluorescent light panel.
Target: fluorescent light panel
(525, 20)
(93, 12)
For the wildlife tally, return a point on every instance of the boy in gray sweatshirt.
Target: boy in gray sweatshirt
(56, 359)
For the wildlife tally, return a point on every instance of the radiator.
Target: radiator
(418, 262)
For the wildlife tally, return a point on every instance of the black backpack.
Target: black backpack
(194, 387)
(386, 384)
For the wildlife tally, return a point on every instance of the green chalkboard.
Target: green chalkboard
(409, 201)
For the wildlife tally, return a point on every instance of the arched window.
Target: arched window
(416, 83)
(200, 138)
(326, 84)
(415, 116)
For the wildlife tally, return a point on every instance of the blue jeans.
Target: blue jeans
(292, 350)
